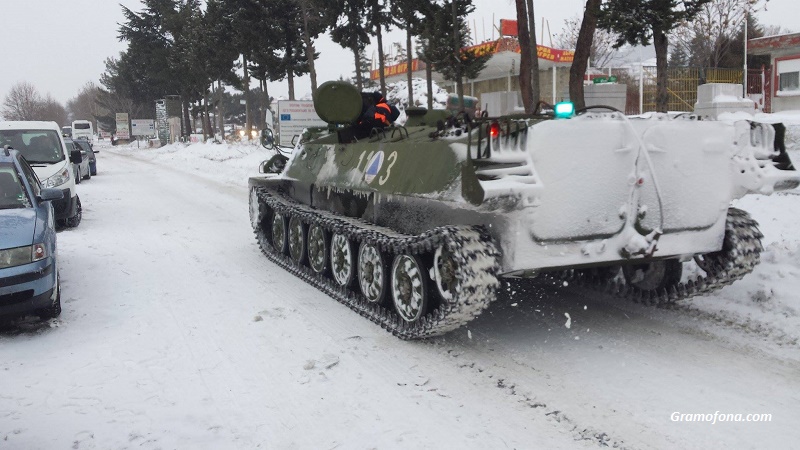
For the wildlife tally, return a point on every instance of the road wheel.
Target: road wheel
(653, 276)
(409, 288)
(89, 174)
(279, 234)
(373, 273)
(342, 260)
(54, 310)
(318, 248)
(75, 220)
(297, 240)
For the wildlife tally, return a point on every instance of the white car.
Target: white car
(42, 145)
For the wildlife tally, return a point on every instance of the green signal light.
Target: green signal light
(564, 110)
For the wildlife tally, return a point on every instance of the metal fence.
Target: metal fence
(682, 84)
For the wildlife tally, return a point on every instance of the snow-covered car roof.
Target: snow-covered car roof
(30, 125)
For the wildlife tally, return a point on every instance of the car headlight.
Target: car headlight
(22, 255)
(57, 179)
(254, 134)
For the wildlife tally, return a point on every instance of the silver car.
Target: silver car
(82, 170)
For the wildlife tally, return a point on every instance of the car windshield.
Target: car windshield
(81, 126)
(37, 146)
(12, 192)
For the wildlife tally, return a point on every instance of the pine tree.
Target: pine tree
(407, 15)
(350, 30)
(639, 21)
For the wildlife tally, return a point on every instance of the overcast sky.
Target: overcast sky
(60, 45)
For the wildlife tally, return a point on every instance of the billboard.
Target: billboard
(123, 126)
(293, 117)
(143, 127)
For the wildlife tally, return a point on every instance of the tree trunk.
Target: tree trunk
(265, 104)
(246, 90)
(661, 43)
(289, 57)
(535, 86)
(457, 56)
(525, 57)
(381, 63)
(359, 81)
(409, 62)
(583, 51)
(220, 110)
(429, 79)
(186, 123)
(312, 71)
(206, 119)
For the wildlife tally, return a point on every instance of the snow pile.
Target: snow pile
(397, 93)
(232, 163)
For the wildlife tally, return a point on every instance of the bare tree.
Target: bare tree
(23, 102)
(708, 37)
(84, 105)
(52, 110)
(602, 52)
(775, 30)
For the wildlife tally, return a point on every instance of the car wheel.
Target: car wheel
(88, 173)
(54, 310)
(93, 168)
(75, 220)
(78, 176)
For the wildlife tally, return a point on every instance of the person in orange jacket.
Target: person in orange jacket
(376, 113)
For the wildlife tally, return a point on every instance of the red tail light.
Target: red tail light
(494, 129)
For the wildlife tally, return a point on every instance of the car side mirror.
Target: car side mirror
(96, 151)
(50, 194)
(267, 139)
(75, 157)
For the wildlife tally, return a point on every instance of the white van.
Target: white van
(42, 145)
(82, 128)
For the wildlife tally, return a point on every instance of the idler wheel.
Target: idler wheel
(445, 269)
(373, 273)
(318, 249)
(279, 238)
(409, 288)
(342, 260)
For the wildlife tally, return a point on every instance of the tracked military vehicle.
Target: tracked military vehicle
(415, 226)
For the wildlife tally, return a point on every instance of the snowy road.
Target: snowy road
(178, 333)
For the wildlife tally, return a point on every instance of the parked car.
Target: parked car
(81, 169)
(42, 145)
(29, 281)
(88, 152)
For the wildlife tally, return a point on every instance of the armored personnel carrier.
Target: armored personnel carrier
(415, 226)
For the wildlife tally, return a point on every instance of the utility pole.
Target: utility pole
(744, 81)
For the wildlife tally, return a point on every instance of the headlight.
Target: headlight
(254, 134)
(57, 179)
(22, 255)
(241, 133)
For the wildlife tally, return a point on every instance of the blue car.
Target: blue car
(29, 280)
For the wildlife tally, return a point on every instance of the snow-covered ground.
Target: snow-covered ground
(178, 333)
